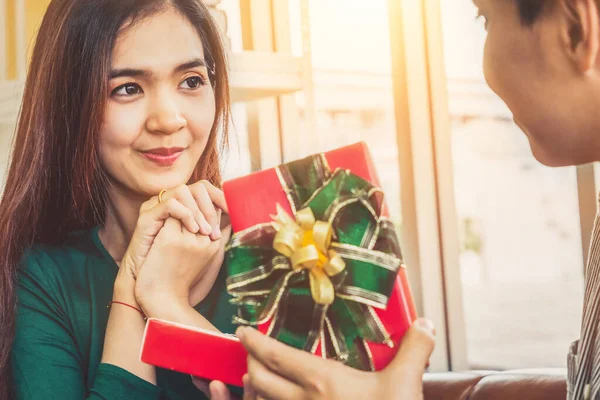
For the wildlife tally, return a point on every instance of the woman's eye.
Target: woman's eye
(128, 89)
(193, 82)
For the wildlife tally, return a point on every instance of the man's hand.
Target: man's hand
(277, 371)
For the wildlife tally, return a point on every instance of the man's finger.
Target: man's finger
(415, 349)
(269, 385)
(293, 364)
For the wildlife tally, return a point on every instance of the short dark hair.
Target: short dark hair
(530, 10)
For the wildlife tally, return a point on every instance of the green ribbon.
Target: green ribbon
(265, 288)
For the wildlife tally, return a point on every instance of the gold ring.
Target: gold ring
(160, 195)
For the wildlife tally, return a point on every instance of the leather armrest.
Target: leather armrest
(538, 384)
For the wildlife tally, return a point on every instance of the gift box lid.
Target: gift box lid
(195, 351)
(252, 199)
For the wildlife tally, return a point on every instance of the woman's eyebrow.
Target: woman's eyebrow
(134, 72)
(128, 72)
(195, 63)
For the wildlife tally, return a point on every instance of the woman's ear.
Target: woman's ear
(580, 32)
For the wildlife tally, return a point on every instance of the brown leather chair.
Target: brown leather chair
(538, 384)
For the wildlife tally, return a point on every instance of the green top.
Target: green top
(63, 293)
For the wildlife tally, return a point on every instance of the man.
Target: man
(542, 57)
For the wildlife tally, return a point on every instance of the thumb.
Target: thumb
(415, 349)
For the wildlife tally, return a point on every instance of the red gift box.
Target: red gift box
(253, 200)
(194, 351)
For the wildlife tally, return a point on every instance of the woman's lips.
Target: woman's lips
(164, 157)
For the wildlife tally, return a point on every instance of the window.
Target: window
(236, 161)
(521, 259)
(351, 73)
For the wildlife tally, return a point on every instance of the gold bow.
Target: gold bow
(306, 243)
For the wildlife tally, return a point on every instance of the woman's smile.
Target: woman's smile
(163, 156)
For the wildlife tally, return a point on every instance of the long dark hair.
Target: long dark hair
(55, 182)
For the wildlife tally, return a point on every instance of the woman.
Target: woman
(123, 99)
(112, 199)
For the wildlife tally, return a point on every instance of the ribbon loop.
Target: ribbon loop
(305, 218)
(306, 257)
(286, 242)
(322, 235)
(306, 243)
(321, 287)
(336, 265)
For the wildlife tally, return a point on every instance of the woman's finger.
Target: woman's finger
(173, 227)
(202, 385)
(185, 196)
(270, 386)
(249, 392)
(206, 206)
(217, 196)
(154, 218)
(218, 391)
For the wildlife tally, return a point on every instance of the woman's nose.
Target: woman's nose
(165, 117)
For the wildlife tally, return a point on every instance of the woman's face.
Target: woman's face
(161, 105)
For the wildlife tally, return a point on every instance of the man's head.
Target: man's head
(542, 57)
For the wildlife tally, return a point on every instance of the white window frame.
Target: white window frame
(587, 194)
(429, 214)
(3, 41)
(21, 39)
(273, 123)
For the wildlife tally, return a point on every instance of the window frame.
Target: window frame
(430, 238)
(3, 41)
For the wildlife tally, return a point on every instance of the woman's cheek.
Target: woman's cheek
(123, 124)
(200, 117)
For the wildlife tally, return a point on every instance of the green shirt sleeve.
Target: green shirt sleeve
(46, 363)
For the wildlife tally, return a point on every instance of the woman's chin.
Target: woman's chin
(153, 185)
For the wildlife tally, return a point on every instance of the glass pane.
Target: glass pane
(521, 260)
(353, 84)
(237, 159)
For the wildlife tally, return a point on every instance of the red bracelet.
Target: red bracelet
(128, 305)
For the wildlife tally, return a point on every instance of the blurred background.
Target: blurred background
(494, 241)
